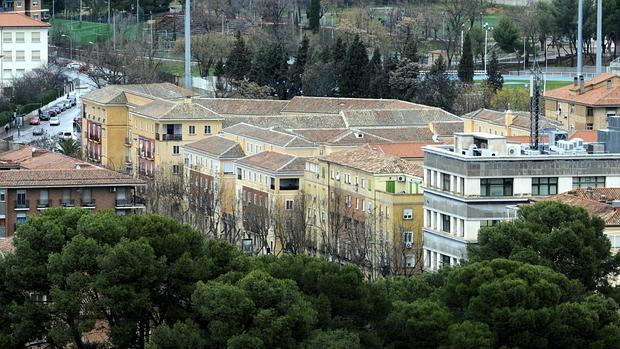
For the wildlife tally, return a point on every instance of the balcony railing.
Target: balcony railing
(122, 202)
(67, 202)
(22, 204)
(87, 203)
(43, 203)
(172, 137)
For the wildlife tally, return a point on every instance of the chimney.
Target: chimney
(575, 80)
(581, 84)
(508, 118)
(188, 101)
(615, 205)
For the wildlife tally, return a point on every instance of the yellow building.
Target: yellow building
(105, 119)
(504, 123)
(585, 105)
(365, 207)
(268, 201)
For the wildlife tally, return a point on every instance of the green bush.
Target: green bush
(49, 95)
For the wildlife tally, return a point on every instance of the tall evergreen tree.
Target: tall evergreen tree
(339, 51)
(270, 68)
(494, 76)
(410, 50)
(314, 15)
(437, 88)
(354, 79)
(466, 64)
(238, 64)
(377, 79)
(297, 69)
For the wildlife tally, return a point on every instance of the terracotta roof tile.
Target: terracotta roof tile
(243, 106)
(447, 128)
(333, 105)
(274, 162)
(266, 135)
(413, 150)
(401, 134)
(296, 121)
(42, 159)
(605, 211)
(596, 92)
(167, 110)
(598, 194)
(114, 94)
(217, 146)
(588, 136)
(9, 20)
(520, 119)
(374, 162)
(87, 176)
(321, 135)
(417, 116)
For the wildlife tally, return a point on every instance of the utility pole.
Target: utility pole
(137, 11)
(188, 44)
(580, 38)
(599, 36)
(114, 30)
(80, 11)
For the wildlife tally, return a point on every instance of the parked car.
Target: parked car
(54, 121)
(38, 132)
(74, 65)
(65, 134)
(67, 104)
(44, 115)
(73, 100)
(60, 106)
(54, 111)
(35, 120)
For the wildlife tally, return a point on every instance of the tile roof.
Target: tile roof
(374, 162)
(243, 106)
(520, 119)
(295, 121)
(115, 94)
(166, 110)
(401, 134)
(413, 150)
(588, 136)
(266, 135)
(333, 105)
(598, 194)
(397, 117)
(85, 176)
(606, 212)
(447, 128)
(6, 245)
(217, 146)
(274, 162)
(595, 92)
(42, 159)
(10, 20)
(321, 135)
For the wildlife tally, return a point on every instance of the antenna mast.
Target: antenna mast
(536, 82)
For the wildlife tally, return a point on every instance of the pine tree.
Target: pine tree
(437, 88)
(354, 79)
(494, 76)
(238, 64)
(219, 69)
(377, 84)
(270, 68)
(297, 70)
(410, 50)
(339, 52)
(466, 64)
(314, 15)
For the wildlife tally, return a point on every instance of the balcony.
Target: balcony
(67, 202)
(128, 141)
(94, 138)
(172, 137)
(123, 202)
(43, 203)
(22, 204)
(128, 160)
(136, 202)
(87, 203)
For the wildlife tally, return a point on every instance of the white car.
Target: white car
(74, 65)
(54, 121)
(65, 135)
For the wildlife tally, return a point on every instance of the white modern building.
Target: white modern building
(481, 178)
(23, 46)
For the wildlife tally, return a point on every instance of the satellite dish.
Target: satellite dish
(435, 138)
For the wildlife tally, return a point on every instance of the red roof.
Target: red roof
(402, 150)
(588, 136)
(10, 19)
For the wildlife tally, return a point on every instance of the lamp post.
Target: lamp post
(487, 28)
(1, 76)
(70, 45)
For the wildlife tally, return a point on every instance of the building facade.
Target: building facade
(365, 207)
(23, 46)
(30, 8)
(480, 179)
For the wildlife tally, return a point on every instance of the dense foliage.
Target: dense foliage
(147, 281)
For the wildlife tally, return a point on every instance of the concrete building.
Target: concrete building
(23, 46)
(32, 180)
(585, 105)
(365, 207)
(479, 180)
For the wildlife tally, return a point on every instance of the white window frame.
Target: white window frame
(408, 213)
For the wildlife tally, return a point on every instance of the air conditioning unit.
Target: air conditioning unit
(402, 178)
(338, 177)
(359, 135)
(409, 244)
(514, 149)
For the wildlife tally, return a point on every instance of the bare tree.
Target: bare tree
(273, 12)
(166, 194)
(290, 227)
(454, 13)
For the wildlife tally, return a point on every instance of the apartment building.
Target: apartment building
(365, 207)
(254, 139)
(480, 179)
(30, 8)
(268, 198)
(584, 105)
(32, 180)
(210, 170)
(23, 46)
(107, 127)
(504, 123)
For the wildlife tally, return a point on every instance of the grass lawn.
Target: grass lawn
(83, 32)
(550, 84)
(176, 68)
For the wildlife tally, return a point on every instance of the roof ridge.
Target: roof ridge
(294, 157)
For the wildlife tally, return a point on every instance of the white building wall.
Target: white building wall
(472, 186)
(11, 65)
(612, 182)
(565, 184)
(522, 186)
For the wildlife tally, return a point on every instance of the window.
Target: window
(36, 56)
(408, 237)
(43, 198)
(445, 182)
(175, 149)
(207, 129)
(288, 204)
(544, 186)
(357, 203)
(588, 182)
(2, 195)
(572, 108)
(7, 56)
(7, 38)
(408, 213)
(445, 223)
(36, 37)
(364, 183)
(176, 169)
(488, 223)
(20, 37)
(496, 187)
(589, 126)
(21, 198)
(19, 3)
(20, 56)
(192, 130)
(589, 111)
(7, 74)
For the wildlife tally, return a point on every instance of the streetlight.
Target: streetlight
(70, 45)
(487, 28)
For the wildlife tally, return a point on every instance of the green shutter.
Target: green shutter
(322, 172)
(390, 186)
